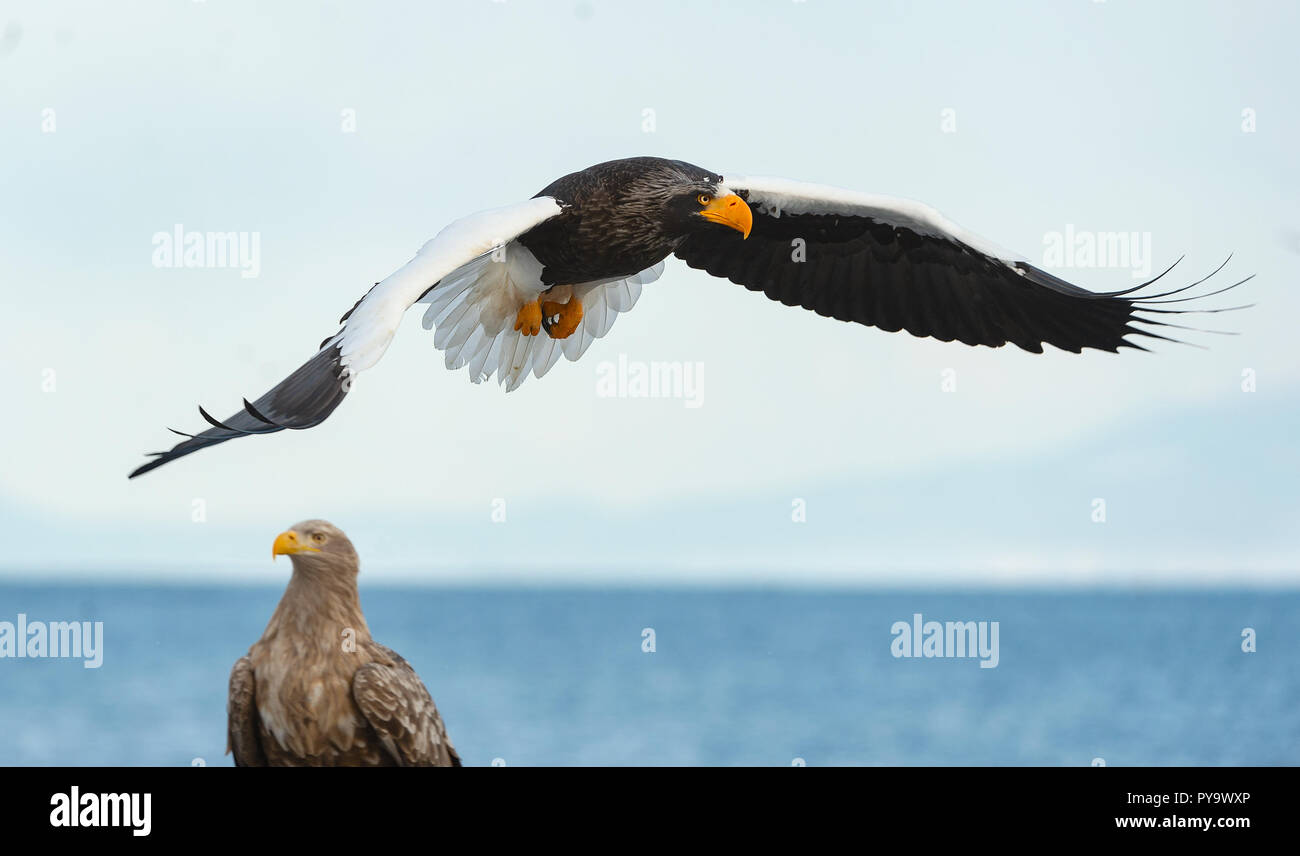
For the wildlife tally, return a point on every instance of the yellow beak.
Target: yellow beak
(730, 211)
(288, 543)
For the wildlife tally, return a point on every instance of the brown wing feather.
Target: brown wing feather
(398, 706)
(241, 717)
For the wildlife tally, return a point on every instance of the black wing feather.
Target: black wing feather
(861, 269)
(302, 400)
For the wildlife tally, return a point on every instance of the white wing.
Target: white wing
(309, 395)
(773, 196)
(369, 327)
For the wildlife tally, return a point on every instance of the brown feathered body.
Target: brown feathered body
(317, 690)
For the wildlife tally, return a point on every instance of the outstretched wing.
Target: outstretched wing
(242, 738)
(398, 706)
(310, 394)
(900, 265)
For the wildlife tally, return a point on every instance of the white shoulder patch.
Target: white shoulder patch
(774, 196)
(372, 323)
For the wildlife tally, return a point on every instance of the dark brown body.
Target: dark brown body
(614, 222)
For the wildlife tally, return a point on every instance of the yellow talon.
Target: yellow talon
(561, 319)
(529, 319)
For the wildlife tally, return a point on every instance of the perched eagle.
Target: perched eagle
(316, 690)
(510, 290)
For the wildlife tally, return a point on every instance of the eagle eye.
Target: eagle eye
(318, 538)
(704, 199)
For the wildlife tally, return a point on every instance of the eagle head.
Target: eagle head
(316, 545)
(685, 198)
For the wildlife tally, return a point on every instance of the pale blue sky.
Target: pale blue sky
(226, 116)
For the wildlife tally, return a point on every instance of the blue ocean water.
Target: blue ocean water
(737, 676)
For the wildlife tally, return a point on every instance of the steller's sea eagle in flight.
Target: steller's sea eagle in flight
(316, 690)
(510, 290)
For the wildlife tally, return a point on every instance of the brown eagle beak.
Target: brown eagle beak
(730, 211)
